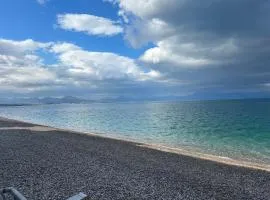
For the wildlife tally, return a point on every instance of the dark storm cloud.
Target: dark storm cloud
(215, 45)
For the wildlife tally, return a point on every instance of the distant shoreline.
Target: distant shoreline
(179, 151)
(57, 101)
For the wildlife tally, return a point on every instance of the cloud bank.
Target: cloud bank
(215, 45)
(23, 69)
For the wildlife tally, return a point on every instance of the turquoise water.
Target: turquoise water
(237, 129)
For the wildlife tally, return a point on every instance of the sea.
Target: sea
(235, 129)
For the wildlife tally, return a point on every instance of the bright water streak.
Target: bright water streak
(237, 129)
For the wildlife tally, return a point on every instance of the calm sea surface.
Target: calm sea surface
(237, 128)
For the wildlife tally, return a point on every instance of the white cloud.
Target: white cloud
(187, 54)
(89, 24)
(99, 65)
(159, 55)
(22, 75)
(141, 32)
(20, 47)
(150, 8)
(22, 68)
(63, 47)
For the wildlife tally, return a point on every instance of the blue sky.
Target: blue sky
(28, 19)
(135, 49)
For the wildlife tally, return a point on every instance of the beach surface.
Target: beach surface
(48, 163)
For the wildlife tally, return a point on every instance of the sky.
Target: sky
(141, 49)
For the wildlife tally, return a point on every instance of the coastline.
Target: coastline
(159, 147)
(47, 163)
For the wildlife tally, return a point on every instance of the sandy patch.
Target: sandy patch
(31, 128)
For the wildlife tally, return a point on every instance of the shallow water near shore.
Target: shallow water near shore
(237, 129)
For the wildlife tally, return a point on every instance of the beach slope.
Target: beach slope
(46, 163)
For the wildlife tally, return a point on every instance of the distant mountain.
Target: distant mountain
(76, 100)
(67, 99)
(18, 101)
(44, 100)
